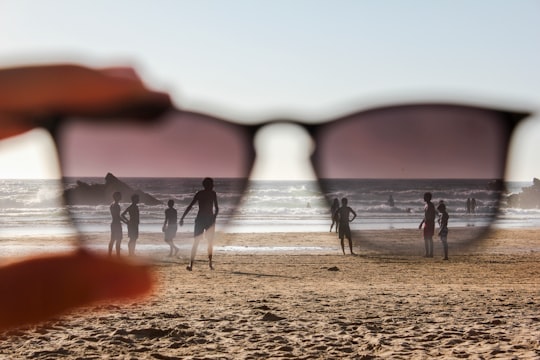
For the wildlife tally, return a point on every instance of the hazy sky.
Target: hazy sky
(250, 60)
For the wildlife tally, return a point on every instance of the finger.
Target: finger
(40, 288)
(10, 126)
(62, 90)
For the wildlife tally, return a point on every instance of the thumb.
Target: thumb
(39, 288)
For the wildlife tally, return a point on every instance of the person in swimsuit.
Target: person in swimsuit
(342, 217)
(132, 223)
(333, 209)
(429, 224)
(443, 226)
(170, 226)
(116, 224)
(205, 220)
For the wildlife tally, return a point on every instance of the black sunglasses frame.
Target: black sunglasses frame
(509, 120)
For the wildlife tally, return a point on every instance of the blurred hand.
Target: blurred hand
(36, 289)
(31, 95)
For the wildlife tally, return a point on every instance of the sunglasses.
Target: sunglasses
(382, 160)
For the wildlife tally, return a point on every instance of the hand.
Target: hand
(181, 223)
(31, 95)
(38, 288)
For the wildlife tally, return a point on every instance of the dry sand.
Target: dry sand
(314, 303)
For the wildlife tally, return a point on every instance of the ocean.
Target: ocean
(36, 207)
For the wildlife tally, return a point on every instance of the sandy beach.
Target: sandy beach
(295, 295)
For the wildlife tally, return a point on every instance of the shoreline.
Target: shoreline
(403, 242)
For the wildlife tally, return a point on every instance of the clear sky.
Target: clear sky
(253, 60)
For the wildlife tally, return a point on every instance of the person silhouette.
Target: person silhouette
(443, 226)
(205, 220)
(429, 224)
(116, 224)
(391, 201)
(333, 209)
(170, 226)
(343, 219)
(132, 223)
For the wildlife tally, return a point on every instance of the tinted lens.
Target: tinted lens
(33, 219)
(384, 161)
(161, 161)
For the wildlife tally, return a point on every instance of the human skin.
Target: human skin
(38, 288)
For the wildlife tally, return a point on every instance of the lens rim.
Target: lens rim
(508, 121)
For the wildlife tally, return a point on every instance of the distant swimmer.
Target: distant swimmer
(390, 201)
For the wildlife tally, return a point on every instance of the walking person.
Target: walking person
(170, 226)
(132, 223)
(333, 209)
(205, 220)
(343, 218)
(429, 224)
(443, 227)
(116, 224)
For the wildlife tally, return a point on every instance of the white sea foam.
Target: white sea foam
(35, 207)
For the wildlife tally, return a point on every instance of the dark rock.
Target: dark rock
(528, 198)
(101, 194)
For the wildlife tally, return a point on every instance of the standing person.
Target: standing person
(333, 209)
(429, 224)
(116, 224)
(468, 205)
(205, 220)
(132, 223)
(342, 216)
(443, 225)
(391, 201)
(473, 206)
(170, 226)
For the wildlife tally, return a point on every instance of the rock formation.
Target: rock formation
(101, 194)
(528, 198)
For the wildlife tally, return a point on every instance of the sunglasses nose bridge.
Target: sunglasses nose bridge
(283, 151)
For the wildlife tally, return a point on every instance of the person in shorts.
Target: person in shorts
(205, 220)
(343, 218)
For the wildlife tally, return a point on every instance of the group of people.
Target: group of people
(204, 222)
(341, 217)
(430, 214)
(471, 206)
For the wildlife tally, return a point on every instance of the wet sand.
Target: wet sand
(308, 301)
